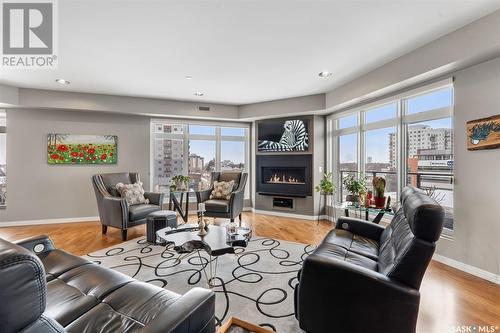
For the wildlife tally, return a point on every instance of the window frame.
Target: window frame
(401, 122)
(3, 130)
(186, 137)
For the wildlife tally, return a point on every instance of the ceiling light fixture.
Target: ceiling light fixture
(325, 74)
(199, 94)
(63, 81)
(188, 77)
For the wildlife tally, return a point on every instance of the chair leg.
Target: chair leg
(104, 229)
(124, 234)
(240, 219)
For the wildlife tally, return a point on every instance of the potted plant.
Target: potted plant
(326, 185)
(355, 186)
(180, 183)
(379, 189)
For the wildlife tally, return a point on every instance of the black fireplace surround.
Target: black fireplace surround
(285, 175)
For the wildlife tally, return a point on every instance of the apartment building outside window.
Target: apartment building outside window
(196, 150)
(407, 139)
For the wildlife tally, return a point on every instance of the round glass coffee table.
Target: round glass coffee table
(215, 242)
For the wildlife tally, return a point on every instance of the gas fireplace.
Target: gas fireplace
(284, 175)
(288, 175)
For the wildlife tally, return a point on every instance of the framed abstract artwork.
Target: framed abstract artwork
(82, 149)
(483, 133)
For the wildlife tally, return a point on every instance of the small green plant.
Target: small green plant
(178, 182)
(378, 186)
(355, 185)
(326, 184)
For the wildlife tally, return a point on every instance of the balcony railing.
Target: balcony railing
(439, 183)
(424, 180)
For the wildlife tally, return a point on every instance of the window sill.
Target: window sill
(447, 234)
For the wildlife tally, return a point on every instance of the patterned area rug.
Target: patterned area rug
(255, 285)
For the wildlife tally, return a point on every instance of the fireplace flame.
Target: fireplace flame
(283, 179)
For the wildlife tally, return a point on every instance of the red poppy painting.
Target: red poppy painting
(82, 149)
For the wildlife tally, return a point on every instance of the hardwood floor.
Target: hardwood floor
(450, 298)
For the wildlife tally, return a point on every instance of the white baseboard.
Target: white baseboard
(49, 221)
(292, 215)
(468, 268)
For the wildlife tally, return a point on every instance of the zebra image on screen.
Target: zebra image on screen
(294, 138)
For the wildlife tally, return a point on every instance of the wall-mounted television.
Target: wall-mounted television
(283, 135)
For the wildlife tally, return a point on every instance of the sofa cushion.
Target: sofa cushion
(118, 313)
(133, 193)
(66, 303)
(333, 251)
(139, 212)
(229, 176)
(57, 262)
(354, 243)
(222, 190)
(215, 205)
(95, 280)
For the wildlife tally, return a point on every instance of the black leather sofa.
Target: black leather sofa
(366, 278)
(54, 291)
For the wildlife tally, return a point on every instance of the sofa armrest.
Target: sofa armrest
(360, 227)
(236, 202)
(355, 298)
(155, 198)
(32, 242)
(204, 195)
(193, 312)
(114, 212)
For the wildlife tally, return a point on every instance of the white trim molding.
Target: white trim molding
(481, 273)
(50, 221)
(292, 215)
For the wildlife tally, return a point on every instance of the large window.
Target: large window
(196, 150)
(407, 139)
(3, 158)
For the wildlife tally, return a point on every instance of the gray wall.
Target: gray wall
(37, 190)
(66, 100)
(477, 173)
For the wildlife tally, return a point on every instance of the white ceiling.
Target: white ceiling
(237, 51)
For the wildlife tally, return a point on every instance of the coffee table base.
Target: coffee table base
(212, 269)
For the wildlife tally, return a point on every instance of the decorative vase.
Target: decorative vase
(352, 198)
(379, 202)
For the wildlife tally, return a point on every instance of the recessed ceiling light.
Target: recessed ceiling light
(188, 77)
(325, 74)
(199, 93)
(63, 81)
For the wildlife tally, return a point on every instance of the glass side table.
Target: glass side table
(363, 211)
(175, 203)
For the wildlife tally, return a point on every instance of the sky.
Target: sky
(230, 150)
(377, 141)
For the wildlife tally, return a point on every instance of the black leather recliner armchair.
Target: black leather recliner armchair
(114, 211)
(231, 208)
(366, 278)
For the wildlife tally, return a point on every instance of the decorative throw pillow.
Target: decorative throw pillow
(222, 190)
(133, 193)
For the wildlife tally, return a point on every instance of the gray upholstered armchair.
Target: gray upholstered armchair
(114, 211)
(225, 208)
